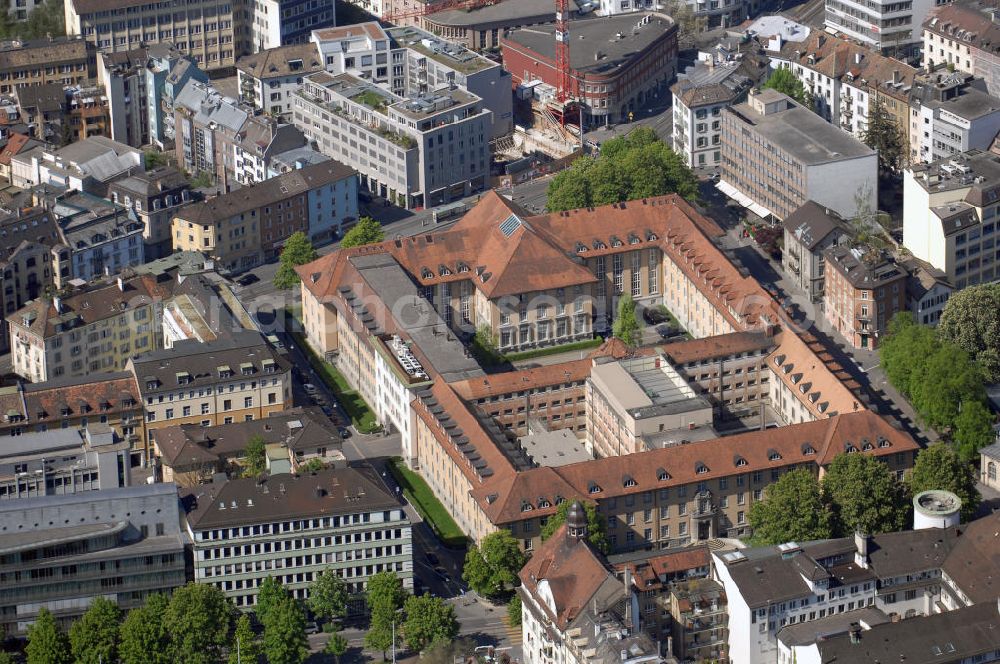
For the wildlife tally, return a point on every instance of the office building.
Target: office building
(246, 227)
(155, 196)
(421, 151)
(864, 290)
(62, 461)
(60, 60)
(213, 32)
(293, 528)
(950, 216)
(776, 155)
(191, 454)
(950, 113)
(277, 23)
(233, 379)
(617, 63)
(62, 552)
(964, 37)
(882, 25)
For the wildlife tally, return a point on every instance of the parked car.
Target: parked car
(345, 433)
(432, 559)
(327, 411)
(312, 627)
(247, 279)
(310, 388)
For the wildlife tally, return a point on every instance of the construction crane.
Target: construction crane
(563, 91)
(419, 9)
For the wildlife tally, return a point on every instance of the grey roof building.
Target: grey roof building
(61, 552)
(244, 530)
(809, 231)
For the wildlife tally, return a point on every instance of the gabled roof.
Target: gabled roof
(297, 59)
(812, 223)
(974, 562)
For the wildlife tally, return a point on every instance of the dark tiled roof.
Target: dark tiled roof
(974, 562)
(811, 223)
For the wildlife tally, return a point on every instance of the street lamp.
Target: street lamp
(394, 614)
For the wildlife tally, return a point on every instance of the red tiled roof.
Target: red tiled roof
(722, 345)
(646, 572)
(15, 144)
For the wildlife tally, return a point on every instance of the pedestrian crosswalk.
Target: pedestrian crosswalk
(513, 633)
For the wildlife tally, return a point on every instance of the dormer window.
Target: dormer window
(615, 241)
(65, 411)
(426, 274)
(662, 475)
(462, 267)
(808, 449)
(269, 366)
(580, 247)
(628, 481)
(247, 369)
(152, 384)
(739, 461)
(559, 499)
(850, 448)
(543, 503)
(773, 455)
(882, 442)
(650, 236)
(700, 468)
(224, 371)
(526, 506)
(183, 378)
(443, 270)
(594, 487)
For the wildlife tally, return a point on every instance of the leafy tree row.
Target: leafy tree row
(46, 19)
(638, 165)
(940, 379)
(858, 493)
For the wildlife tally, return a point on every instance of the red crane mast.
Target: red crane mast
(564, 91)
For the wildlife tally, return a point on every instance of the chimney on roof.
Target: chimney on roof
(861, 549)
(121, 284)
(857, 58)
(854, 631)
(896, 76)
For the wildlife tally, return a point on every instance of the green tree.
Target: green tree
(638, 165)
(336, 646)
(46, 19)
(597, 531)
(198, 620)
(492, 565)
(285, 639)
(47, 643)
(864, 496)
(792, 511)
(298, 250)
(94, 637)
(903, 349)
(255, 457)
(154, 159)
(143, 638)
(244, 648)
(514, 611)
(6, 658)
(269, 594)
(313, 465)
(385, 596)
(428, 620)
(783, 80)
(943, 381)
(366, 231)
(971, 321)
(626, 326)
(328, 596)
(484, 346)
(885, 137)
(940, 467)
(689, 24)
(973, 430)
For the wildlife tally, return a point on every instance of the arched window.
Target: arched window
(991, 470)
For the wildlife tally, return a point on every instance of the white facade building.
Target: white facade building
(267, 79)
(880, 24)
(282, 22)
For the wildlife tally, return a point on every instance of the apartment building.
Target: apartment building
(963, 37)
(28, 237)
(883, 25)
(92, 331)
(166, 75)
(191, 454)
(206, 129)
(248, 226)
(950, 113)
(809, 231)
(87, 166)
(927, 290)
(950, 216)
(260, 140)
(276, 23)
(87, 113)
(123, 544)
(155, 196)
(60, 60)
(213, 32)
(864, 290)
(418, 152)
(610, 77)
(700, 94)
(62, 461)
(43, 108)
(268, 78)
(573, 608)
(233, 379)
(847, 80)
(295, 527)
(110, 400)
(642, 403)
(776, 155)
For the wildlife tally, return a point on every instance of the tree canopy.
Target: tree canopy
(385, 596)
(328, 595)
(94, 637)
(46, 19)
(285, 639)
(626, 325)
(973, 430)
(244, 646)
(792, 511)
(269, 594)
(514, 611)
(143, 638)
(255, 457)
(783, 80)
(366, 231)
(638, 165)
(940, 467)
(336, 646)
(47, 644)
(971, 321)
(597, 532)
(428, 620)
(864, 495)
(198, 618)
(298, 250)
(491, 566)
(885, 136)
